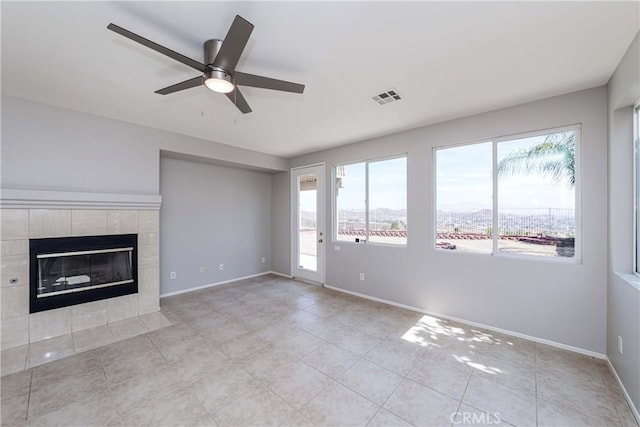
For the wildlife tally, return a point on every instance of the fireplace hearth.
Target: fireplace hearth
(74, 270)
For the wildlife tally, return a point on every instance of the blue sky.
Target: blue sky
(387, 185)
(464, 180)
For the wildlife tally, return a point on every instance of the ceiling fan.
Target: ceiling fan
(219, 69)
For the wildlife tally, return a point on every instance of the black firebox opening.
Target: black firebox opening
(74, 270)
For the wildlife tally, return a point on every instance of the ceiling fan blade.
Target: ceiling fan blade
(233, 44)
(252, 80)
(239, 101)
(158, 48)
(187, 84)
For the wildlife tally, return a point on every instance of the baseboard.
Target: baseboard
(634, 410)
(476, 324)
(299, 279)
(280, 274)
(210, 285)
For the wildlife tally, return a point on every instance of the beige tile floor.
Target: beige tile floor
(272, 351)
(45, 351)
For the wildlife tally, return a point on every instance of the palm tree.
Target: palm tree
(555, 157)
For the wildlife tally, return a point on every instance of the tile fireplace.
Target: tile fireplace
(27, 215)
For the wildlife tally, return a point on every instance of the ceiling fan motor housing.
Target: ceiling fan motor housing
(211, 49)
(215, 76)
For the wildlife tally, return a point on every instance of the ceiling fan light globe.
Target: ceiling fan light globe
(218, 81)
(219, 85)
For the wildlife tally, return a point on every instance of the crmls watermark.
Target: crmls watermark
(476, 418)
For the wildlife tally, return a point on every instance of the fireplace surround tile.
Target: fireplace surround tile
(15, 301)
(15, 331)
(88, 339)
(14, 267)
(19, 328)
(120, 308)
(145, 239)
(148, 278)
(14, 224)
(148, 301)
(128, 328)
(88, 315)
(148, 256)
(14, 360)
(148, 221)
(49, 223)
(14, 247)
(122, 222)
(88, 222)
(155, 320)
(49, 324)
(49, 350)
(148, 290)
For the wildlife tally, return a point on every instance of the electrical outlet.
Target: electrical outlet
(201, 270)
(172, 275)
(619, 344)
(362, 276)
(221, 267)
(264, 260)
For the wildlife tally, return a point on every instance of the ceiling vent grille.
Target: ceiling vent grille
(387, 97)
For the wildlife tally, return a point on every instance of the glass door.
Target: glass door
(307, 188)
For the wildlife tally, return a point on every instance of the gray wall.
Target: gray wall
(212, 215)
(45, 147)
(623, 299)
(281, 223)
(561, 302)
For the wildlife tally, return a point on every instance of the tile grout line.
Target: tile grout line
(403, 377)
(333, 379)
(466, 387)
(264, 384)
(26, 415)
(374, 415)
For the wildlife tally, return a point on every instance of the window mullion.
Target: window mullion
(494, 174)
(366, 202)
(636, 188)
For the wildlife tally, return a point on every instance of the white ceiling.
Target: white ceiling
(447, 60)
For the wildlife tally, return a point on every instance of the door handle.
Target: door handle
(320, 241)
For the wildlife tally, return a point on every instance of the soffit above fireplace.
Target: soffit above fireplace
(55, 199)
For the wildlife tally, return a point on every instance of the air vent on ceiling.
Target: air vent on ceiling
(387, 97)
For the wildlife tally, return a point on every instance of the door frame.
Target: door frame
(321, 224)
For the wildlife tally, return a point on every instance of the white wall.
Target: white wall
(560, 302)
(45, 147)
(212, 215)
(623, 299)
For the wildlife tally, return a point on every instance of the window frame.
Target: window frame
(636, 178)
(577, 257)
(334, 204)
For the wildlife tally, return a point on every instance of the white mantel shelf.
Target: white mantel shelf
(53, 199)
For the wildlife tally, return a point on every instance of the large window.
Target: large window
(512, 195)
(371, 201)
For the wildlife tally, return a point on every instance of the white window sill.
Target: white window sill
(632, 279)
